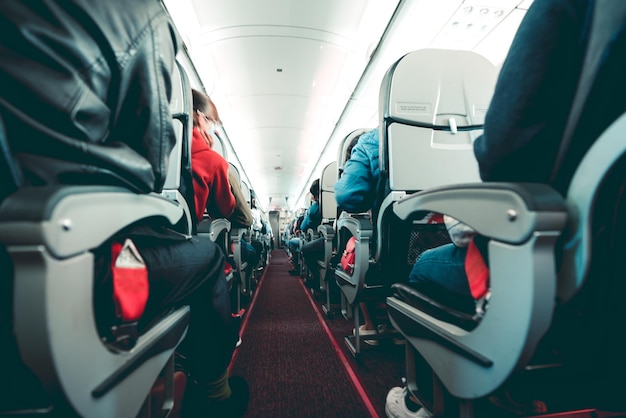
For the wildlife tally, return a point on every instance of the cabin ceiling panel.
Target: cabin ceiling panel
(270, 65)
(299, 112)
(338, 16)
(278, 146)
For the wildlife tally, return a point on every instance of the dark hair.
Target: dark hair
(315, 188)
(200, 101)
(352, 144)
(203, 103)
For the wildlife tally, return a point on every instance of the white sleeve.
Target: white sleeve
(460, 234)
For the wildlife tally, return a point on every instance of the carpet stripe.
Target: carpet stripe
(342, 357)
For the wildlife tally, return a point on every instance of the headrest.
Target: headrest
(328, 204)
(177, 102)
(429, 86)
(315, 188)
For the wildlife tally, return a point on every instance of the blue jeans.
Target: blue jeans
(294, 249)
(312, 252)
(442, 269)
(249, 253)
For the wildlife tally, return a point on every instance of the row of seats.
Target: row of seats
(428, 129)
(545, 250)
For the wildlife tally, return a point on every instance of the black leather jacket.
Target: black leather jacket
(85, 89)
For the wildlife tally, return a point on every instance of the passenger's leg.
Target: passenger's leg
(191, 272)
(312, 252)
(258, 249)
(440, 273)
(293, 245)
(250, 254)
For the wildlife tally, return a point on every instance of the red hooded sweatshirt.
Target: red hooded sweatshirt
(210, 180)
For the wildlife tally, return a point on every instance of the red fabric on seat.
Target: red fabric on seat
(477, 271)
(130, 287)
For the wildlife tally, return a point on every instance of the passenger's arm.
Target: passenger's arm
(242, 214)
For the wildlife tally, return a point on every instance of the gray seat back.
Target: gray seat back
(432, 107)
(178, 183)
(328, 204)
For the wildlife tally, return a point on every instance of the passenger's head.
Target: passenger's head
(205, 116)
(315, 189)
(349, 149)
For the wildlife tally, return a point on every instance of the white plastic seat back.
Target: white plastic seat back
(218, 145)
(345, 144)
(328, 204)
(432, 105)
(235, 172)
(180, 107)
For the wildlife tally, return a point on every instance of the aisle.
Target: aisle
(288, 360)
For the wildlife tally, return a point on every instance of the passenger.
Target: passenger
(317, 252)
(270, 234)
(311, 218)
(357, 188)
(357, 191)
(257, 226)
(256, 212)
(99, 76)
(216, 190)
(211, 185)
(242, 218)
(524, 124)
(294, 244)
(314, 249)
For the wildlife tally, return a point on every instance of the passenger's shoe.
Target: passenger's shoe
(194, 406)
(395, 406)
(235, 406)
(365, 332)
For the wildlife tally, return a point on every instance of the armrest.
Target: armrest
(236, 236)
(71, 219)
(507, 212)
(327, 232)
(49, 232)
(362, 229)
(523, 222)
(461, 315)
(214, 227)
